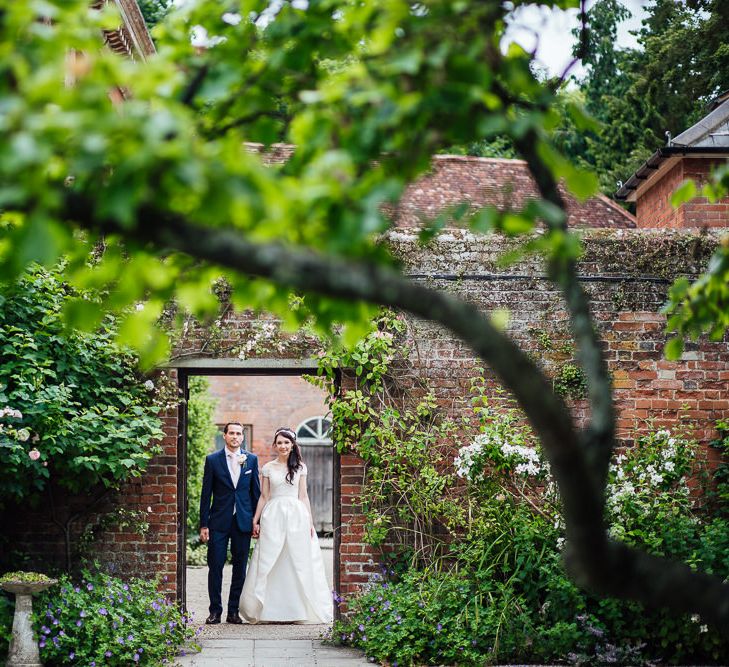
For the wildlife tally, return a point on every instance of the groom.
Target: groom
(231, 478)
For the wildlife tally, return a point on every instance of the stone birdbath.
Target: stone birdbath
(24, 585)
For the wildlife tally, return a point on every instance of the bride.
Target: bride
(285, 580)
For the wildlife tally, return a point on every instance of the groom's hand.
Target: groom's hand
(204, 534)
(256, 530)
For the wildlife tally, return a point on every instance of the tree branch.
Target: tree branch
(599, 436)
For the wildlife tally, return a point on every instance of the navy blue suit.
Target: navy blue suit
(224, 526)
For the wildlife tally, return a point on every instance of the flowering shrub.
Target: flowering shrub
(503, 594)
(72, 404)
(104, 621)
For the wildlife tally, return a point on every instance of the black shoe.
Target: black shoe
(213, 619)
(234, 618)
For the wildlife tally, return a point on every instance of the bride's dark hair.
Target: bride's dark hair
(293, 463)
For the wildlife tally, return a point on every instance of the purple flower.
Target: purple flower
(130, 638)
(82, 613)
(125, 587)
(79, 624)
(89, 587)
(136, 657)
(103, 611)
(93, 663)
(361, 627)
(71, 655)
(439, 627)
(42, 644)
(77, 589)
(108, 654)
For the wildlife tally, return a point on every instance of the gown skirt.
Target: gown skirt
(286, 581)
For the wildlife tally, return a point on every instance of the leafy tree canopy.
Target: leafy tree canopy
(371, 91)
(639, 94)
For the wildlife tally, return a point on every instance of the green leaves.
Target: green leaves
(683, 193)
(87, 417)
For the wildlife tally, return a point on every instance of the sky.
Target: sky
(551, 32)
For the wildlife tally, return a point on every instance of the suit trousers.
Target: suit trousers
(240, 543)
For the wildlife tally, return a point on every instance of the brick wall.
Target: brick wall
(653, 207)
(626, 274)
(36, 534)
(266, 402)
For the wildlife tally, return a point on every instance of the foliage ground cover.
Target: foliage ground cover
(103, 620)
(479, 578)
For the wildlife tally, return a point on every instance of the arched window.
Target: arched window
(314, 431)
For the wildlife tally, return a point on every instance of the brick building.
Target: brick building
(693, 154)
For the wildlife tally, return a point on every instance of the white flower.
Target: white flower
(232, 18)
(242, 459)
(149, 385)
(23, 434)
(560, 543)
(704, 628)
(669, 466)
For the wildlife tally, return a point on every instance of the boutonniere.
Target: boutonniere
(242, 460)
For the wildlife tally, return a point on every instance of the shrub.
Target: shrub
(105, 621)
(504, 595)
(72, 404)
(201, 430)
(7, 609)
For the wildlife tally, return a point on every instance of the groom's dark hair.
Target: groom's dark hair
(225, 428)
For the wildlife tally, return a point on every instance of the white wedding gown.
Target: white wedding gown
(286, 579)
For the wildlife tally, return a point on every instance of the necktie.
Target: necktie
(234, 468)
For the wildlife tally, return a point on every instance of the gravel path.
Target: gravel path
(197, 605)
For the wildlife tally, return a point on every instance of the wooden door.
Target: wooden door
(316, 448)
(320, 464)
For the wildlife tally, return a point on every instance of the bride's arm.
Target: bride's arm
(265, 492)
(304, 498)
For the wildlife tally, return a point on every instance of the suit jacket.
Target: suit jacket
(218, 484)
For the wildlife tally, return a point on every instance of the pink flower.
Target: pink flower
(34, 454)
